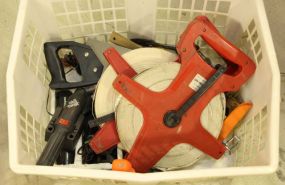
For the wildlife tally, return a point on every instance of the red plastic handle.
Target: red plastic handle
(149, 147)
(118, 63)
(105, 138)
(239, 63)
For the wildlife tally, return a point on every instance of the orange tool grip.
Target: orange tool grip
(122, 165)
(233, 119)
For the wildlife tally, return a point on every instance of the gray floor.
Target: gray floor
(275, 11)
(7, 21)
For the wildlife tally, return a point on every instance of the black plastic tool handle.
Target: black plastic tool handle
(53, 148)
(63, 127)
(90, 66)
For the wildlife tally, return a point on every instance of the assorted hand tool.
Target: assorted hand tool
(153, 109)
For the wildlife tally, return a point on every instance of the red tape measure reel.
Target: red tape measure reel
(172, 116)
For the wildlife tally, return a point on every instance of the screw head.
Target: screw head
(95, 69)
(171, 119)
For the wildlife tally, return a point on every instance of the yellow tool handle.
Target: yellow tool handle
(120, 40)
(233, 119)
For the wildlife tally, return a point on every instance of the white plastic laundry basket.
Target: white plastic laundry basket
(241, 21)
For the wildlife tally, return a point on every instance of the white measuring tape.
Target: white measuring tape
(140, 60)
(156, 69)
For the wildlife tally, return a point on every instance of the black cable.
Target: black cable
(47, 103)
(69, 70)
(152, 43)
(79, 151)
(86, 152)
